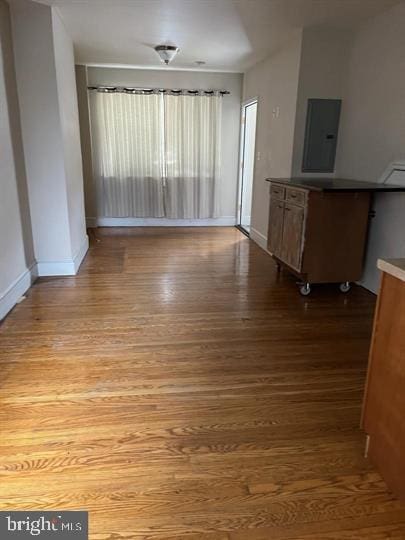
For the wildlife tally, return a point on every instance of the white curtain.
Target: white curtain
(192, 139)
(156, 155)
(127, 140)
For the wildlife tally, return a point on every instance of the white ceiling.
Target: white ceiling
(229, 35)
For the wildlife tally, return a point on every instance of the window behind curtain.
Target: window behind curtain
(155, 155)
(127, 132)
(192, 139)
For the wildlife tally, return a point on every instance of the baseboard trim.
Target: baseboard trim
(10, 297)
(258, 238)
(13, 293)
(226, 221)
(67, 267)
(80, 255)
(362, 284)
(56, 268)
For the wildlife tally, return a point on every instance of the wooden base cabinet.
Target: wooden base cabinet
(384, 399)
(319, 236)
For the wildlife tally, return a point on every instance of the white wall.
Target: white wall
(373, 119)
(69, 120)
(275, 83)
(50, 135)
(16, 249)
(36, 80)
(366, 68)
(372, 132)
(85, 141)
(184, 79)
(323, 74)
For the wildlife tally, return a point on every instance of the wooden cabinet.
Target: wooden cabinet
(275, 231)
(384, 400)
(295, 196)
(286, 224)
(292, 237)
(277, 192)
(320, 236)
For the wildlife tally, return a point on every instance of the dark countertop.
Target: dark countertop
(335, 184)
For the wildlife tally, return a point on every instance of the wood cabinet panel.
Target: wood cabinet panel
(320, 235)
(277, 192)
(292, 241)
(384, 403)
(296, 196)
(335, 236)
(275, 230)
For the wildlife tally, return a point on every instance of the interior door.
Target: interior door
(248, 140)
(292, 240)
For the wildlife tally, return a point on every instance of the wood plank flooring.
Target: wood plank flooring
(179, 388)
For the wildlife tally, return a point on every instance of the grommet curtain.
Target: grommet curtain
(156, 155)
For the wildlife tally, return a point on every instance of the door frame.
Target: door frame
(244, 105)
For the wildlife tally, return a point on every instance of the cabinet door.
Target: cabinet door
(275, 232)
(384, 403)
(292, 241)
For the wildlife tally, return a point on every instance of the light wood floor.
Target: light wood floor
(178, 388)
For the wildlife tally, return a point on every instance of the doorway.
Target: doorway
(247, 152)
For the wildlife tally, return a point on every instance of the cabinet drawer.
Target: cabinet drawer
(296, 196)
(277, 191)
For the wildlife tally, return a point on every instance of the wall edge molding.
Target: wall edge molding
(259, 238)
(9, 298)
(158, 67)
(80, 255)
(67, 267)
(397, 165)
(56, 268)
(225, 221)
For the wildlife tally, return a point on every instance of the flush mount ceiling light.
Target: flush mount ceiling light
(166, 52)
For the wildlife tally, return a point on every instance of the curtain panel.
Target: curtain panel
(156, 155)
(128, 161)
(192, 135)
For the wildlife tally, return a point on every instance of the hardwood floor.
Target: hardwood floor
(179, 388)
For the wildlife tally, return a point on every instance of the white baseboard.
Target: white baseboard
(78, 258)
(258, 238)
(56, 268)
(67, 267)
(226, 221)
(13, 293)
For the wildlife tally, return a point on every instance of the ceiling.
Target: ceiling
(229, 35)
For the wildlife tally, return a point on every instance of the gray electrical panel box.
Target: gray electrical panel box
(321, 134)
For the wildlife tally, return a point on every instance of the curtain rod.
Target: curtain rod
(174, 91)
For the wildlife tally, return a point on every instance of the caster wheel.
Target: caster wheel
(344, 287)
(305, 289)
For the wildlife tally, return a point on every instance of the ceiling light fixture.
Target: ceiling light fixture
(166, 52)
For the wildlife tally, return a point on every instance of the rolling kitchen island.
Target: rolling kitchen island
(318, 227)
